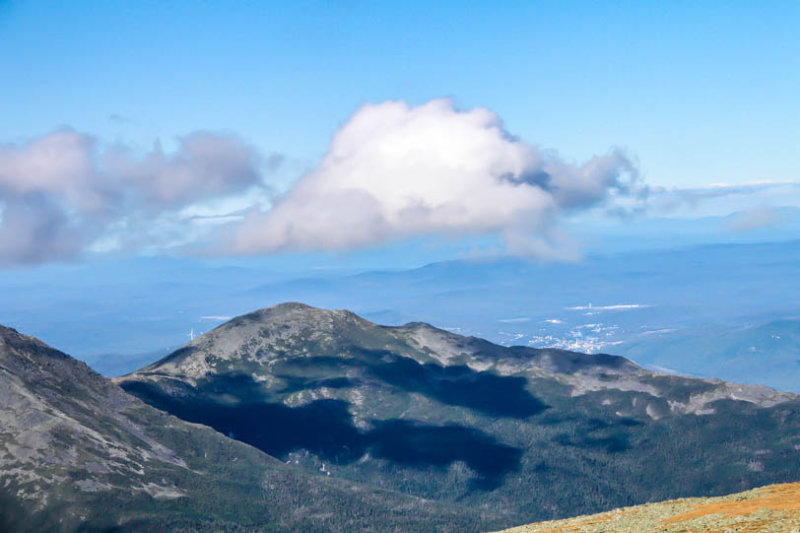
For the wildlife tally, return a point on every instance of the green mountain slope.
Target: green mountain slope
(77, 453)
(518, 433)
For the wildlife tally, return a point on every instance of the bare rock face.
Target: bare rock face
(59, 416)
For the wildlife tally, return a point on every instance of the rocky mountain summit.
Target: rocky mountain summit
(518, 433)
(78, 453)
(256, 343)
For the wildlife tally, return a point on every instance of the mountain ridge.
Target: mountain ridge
(79, 453)
(461, 420)
(429, 345)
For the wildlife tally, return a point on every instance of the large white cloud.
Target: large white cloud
(391, 171)
(59, 193)
(395, 170)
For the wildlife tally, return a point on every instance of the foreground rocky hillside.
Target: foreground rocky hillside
(77, 453)
(517, 433)
(771, 508)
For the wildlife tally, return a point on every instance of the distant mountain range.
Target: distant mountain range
(771, 508)
(326, 421)
(137, 310)
(766, 353)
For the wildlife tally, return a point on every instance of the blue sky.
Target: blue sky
(699, 92)
(693, 94)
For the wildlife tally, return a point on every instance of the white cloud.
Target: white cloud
(667, 200)
(616, 307)
(205, 166)
(514, 320)
(394, 170)
(58, 164)
(62, 192)
(37, 230)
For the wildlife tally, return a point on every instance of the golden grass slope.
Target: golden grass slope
(771, 508)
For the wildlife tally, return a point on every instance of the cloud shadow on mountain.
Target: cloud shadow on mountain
(485, 392)
(597, 434)
(457, 385)
(325, 428)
